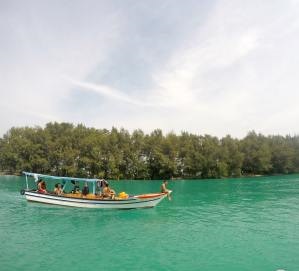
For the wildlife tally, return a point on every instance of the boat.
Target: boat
(90, 200)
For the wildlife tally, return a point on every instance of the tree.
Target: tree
(231, 154)
(257, 154)
(66, 149)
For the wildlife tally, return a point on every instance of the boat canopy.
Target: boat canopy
(37, 175)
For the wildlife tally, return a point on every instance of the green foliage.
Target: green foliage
(257, 154)
(65, 149)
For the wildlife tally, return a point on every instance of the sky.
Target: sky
(202, 66)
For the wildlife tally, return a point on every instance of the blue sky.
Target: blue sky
(207, 67)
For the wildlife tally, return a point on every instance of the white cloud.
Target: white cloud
(109, 92)
(231, 72)
(50, 41)
(234, 42)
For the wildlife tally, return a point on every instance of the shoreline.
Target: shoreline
(178, 178)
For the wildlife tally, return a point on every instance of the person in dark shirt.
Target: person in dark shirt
(85, 189)
(76, 188)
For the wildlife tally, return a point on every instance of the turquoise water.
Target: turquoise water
(232, 224)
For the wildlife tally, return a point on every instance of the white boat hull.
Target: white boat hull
(130, 203)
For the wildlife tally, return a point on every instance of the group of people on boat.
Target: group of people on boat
(42, 188)
(103, 189)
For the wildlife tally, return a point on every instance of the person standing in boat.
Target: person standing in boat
(164, 189)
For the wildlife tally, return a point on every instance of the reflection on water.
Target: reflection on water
(231, 224)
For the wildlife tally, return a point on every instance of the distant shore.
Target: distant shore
(65, 149)
(171, 179)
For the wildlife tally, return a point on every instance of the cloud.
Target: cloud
(107, 92)
(43, 41)
(182, 81)
(223, 74)
(206, 67)
(153, 99)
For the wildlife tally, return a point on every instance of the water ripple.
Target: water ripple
(238, 224)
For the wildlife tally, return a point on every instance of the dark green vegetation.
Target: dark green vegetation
(65, 149)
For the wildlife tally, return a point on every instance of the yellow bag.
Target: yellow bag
(123, 195)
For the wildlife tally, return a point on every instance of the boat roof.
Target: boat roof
(37, 175)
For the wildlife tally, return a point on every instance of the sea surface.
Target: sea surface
(210, 225)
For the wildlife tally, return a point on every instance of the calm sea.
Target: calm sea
(226, 225)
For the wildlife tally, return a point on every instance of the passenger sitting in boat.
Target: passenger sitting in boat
(108, 192)
(38, 184)
(76, 188)
(100, 186)
(58, 189)
(41, 187)
(85, 189)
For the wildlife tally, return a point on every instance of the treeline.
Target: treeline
(68, 150)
